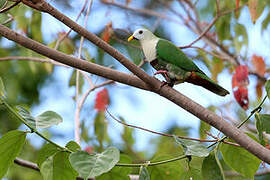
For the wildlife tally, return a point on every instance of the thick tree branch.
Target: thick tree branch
(167, 92)
(72, 61)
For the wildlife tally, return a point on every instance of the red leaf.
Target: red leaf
(241, 74)
(107, 32)
(237, 4)
(267, 146)
(89, 149)
(234, 82)
(259, 88)
(259, 64)
(241, 96)
(127, 2)
(239, 85)
(256, 8)
(102, 100)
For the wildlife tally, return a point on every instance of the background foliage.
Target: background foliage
(228, 57)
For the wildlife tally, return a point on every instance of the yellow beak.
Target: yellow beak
(130, 38)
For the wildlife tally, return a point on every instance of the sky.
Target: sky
(149, 110)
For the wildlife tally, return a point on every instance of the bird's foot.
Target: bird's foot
(164, 83)
(165, 72)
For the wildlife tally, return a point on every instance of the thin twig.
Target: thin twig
(77, 115)
(142, 11)
(36, 59)
(5, 4)
(11, 18)
(86, 94)
(58, 42)
(9, 7)
(20, 118)
(208, 40)
(35, 167)
(164, 134)
(257, 109)
(202, 34)
(209, 52)
(218, 15)
(27, 164)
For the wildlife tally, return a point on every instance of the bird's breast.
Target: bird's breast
(149, 50)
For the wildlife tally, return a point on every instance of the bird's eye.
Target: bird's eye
(140, 32)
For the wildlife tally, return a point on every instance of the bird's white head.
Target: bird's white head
(142, 35)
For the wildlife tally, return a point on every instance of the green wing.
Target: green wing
(169, 53)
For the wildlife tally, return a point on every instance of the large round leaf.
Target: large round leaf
(44, 120)
(11, 144)
(118, 172)
(211, 168)
(192, 148)
(91, 165)
(240, 159)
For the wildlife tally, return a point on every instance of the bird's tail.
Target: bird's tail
(204, 81)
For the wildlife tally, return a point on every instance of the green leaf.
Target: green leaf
(47, 119)
(45, 152)
(256, 8)
(241, 37)
(58, 167)
(100, 127)
(36, 32)
(91, 165)
(44, 120)
(240, 159)
(144, 175)
(25, 114)
(127, 135)
(62, 168)
(210, 168)
(267, 88)
(216, 68)
(265, 122)
(266, 22)
(73, 146)
(192, 148)
(262, 124)
(72, 81)
(223, 26)
(2, 4)
(204, 127)
(46, 169)
(192, 173)
(11, 145)
(259, 128)
(135, 53)
(167, 171)
(118, 172)
(2, 88)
